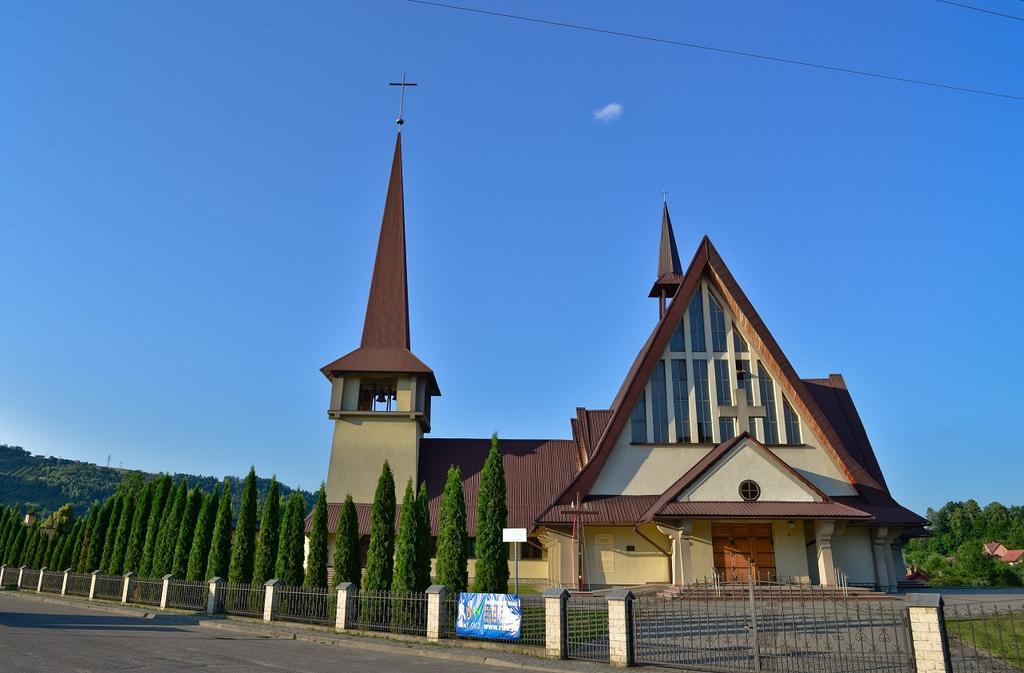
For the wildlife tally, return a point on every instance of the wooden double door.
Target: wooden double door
(743, 550)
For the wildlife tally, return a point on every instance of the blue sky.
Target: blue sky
(190, 195)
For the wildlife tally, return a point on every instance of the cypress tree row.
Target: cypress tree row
(270, 531)
(7, 530)
(81, 559)
(44, 550)
(491, 516)
(163, 555)
(200, 551)
(405, 548)
(97, 536)
(52, 551)
(124, 530)
(137, 536)
(160, 502)
(110, 538)
(452, 539)
(423, 540)
(380, 557)
(290, 547)
(186, 532)
(17, 544)
(220, 546)
(346, 545)
(316, 562)
(32, 541)
(243, 546)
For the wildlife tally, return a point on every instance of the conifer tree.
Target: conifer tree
(404, 580)
(44, 549)
(220, 546)
(186, 532)
(200, 551)
(68, 554)
(124, 529)
(162, 489)
(7, 533)
(97, 536)
(316, 561)
(163, 555)
(13, 557)
(381, 555)
(52, 551)
(31, 542)
(289, 568)
(491, 516)
(81, 559)
(110, 537)
(452, 539)
(243, 547)
(346, 545)
(423, 540)
(270, 532)
(137, 536)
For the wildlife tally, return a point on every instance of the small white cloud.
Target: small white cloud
(608, 113)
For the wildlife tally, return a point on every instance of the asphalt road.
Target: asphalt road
(43, 637)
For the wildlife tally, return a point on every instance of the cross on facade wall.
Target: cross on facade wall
(742, 410)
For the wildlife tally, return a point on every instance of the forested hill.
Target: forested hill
(46, 483)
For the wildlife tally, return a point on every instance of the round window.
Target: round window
(749, 490)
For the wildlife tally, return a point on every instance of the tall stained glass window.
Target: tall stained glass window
(717, 325)
(681, 400)
(659, 404)
(771, 423)
(792, 423)
(703, 395)
(678, 345)
(638, 420)
(697, 343)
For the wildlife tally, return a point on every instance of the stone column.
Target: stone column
(64, 584)
(890, 568)
(342, 618)
(213, 599)
(129, 578)
(555, 623)
(270, 600)
(928, 633)
(39, 583)
(437, 595)
(620, 627)
(166, 591)
(878, 538)
(682, 564)
(823, 531)
(92, 584)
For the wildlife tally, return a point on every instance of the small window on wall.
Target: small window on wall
(697, 343)
(638, 420)
(717, 326)
(792, 423)
(378, 394)
(749, 490)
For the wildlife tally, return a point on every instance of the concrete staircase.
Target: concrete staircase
(785, 592)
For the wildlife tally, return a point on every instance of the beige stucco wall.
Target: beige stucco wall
(645, 469)
(745, 461)
(360, 447)
(608, 562)
(851, 551)
(702, 557)
(790, 551)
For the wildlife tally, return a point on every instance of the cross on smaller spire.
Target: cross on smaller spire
(743, 411)
(664, 196)
(401, 97)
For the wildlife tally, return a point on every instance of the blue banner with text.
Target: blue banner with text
(497, 616)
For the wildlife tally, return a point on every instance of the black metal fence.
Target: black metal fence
(145, 591)
(187, 595)
(587, 627)
(388, 612)
(985, 637)
(53, 581)
(78, 584)
(244, 600)
(29, 579)
(310, 605)
(748, 627)
(531, 633)
(109, 586)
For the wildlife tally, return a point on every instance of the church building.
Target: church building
(714, 460)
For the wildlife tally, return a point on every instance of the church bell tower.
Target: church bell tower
(380, 392)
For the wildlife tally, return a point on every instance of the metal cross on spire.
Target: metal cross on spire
(401, 98)
(664, 196)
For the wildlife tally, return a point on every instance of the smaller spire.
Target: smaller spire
(668, 255)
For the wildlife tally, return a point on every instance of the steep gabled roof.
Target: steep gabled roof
(707, 261)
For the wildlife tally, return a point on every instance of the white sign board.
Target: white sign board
(513, 535)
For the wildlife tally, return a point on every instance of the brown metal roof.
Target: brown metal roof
(891, 512)
(605, 509)
(762, 509)
(670, 269)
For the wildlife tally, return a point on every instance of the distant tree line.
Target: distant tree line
(954, 553)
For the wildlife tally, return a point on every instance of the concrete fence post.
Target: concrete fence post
(3, 571)
(342, 617)
(214, 599)
(166, 591)
(129, 577)
(556, 623)
(39, 583)
(620, 628)
(437, 596)
(928, 633)
(21, 573)
(64, 584)
(92, 584)
(270, 600)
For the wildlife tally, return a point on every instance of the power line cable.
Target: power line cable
(982, 9)
(722, 50)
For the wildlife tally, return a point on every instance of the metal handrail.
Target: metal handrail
(843, 580)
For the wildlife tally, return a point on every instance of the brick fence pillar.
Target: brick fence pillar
(92, 584)
(166, 590)
(39, 583)
(270, 600)
(928, 633)
(342, 618)
(437, 596)
(556, 623)
(129, 577)
(620, 627)
(215, 597)
(64, 583)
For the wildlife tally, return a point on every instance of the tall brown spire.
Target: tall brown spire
(670, 269)
(387, 309)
